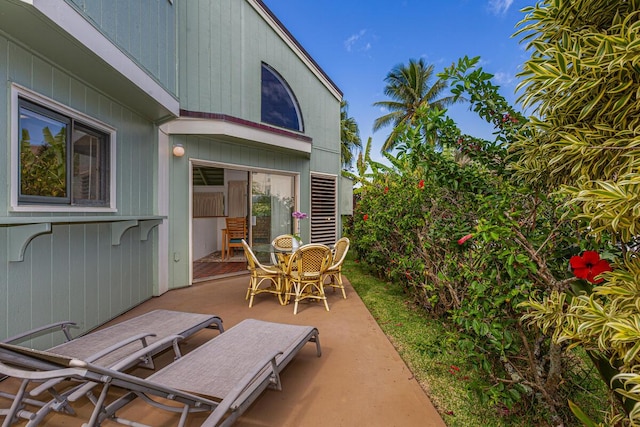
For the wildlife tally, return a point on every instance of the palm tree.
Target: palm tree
(408, 87)
(349, 136)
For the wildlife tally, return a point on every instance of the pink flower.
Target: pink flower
(299, 215)
(464, 239)
(588, 266)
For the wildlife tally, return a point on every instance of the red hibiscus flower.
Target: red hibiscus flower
(464, 239)
(365, 217)
(588, 266)
(421, 183)
(386, 190)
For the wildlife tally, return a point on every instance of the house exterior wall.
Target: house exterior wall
(222, 45)
(132, 65)
(144, 29)
(75, 272)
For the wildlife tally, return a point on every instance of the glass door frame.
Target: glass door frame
(250, 170)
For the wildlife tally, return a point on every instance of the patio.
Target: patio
(359, 380)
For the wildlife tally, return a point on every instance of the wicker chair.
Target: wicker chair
(282, 243)
(304, 274)
(260, 273)
(334, 272)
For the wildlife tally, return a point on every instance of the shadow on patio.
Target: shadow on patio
(359, 380)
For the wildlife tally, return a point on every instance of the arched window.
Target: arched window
(279, 104)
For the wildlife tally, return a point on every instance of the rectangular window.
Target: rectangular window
(62, 161)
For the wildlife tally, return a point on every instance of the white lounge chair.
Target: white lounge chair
(223, 376)
(104, 347)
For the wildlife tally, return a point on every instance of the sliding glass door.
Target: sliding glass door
(272, 203)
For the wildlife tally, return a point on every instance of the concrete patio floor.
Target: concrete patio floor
(360, 380)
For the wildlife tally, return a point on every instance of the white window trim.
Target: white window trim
(19, 91)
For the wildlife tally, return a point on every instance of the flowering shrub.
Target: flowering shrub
(426, 199)
(589, 266)
(464, 239)
(584, 145)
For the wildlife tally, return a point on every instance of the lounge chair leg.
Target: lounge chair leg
(99, 405)
(16, 405)
(183, 416)
(316, 339)
(59, 403)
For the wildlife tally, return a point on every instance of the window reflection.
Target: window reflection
(279, 106)
(272, 202)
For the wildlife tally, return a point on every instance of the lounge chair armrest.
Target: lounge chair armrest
(63, 326)
(231, 400)
(10, 371)
(133, 357)
(119, 345)
(46, 385)
(128, 361)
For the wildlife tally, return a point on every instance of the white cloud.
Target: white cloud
(503, 79)
(351, 41)
(500, 6)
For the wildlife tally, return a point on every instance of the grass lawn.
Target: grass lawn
(429, 348)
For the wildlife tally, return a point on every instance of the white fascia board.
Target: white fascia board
(296, 49)
(74, 24)
(189, 126)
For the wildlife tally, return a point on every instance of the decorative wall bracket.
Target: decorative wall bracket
(146, 226)
(118, 228)
(21, 235)
(22, 230)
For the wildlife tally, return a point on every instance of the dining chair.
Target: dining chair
(260, 273)
(282, 243)
(334, 271)
(304, 274)
(236, 231)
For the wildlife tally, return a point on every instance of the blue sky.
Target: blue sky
(357, 43)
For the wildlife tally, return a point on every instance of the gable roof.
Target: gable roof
(295, 46)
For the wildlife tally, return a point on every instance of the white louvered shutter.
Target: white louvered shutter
(323, 209)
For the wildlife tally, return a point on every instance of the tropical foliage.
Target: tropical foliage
(528, 243)
(469, 243)
(408, 87)
(349, 136)
(583, 80)
(43, 167)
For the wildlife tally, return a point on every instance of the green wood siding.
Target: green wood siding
(75, 272)
(135, 140)
(222, 45)
(4, 136)
(144, 29)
